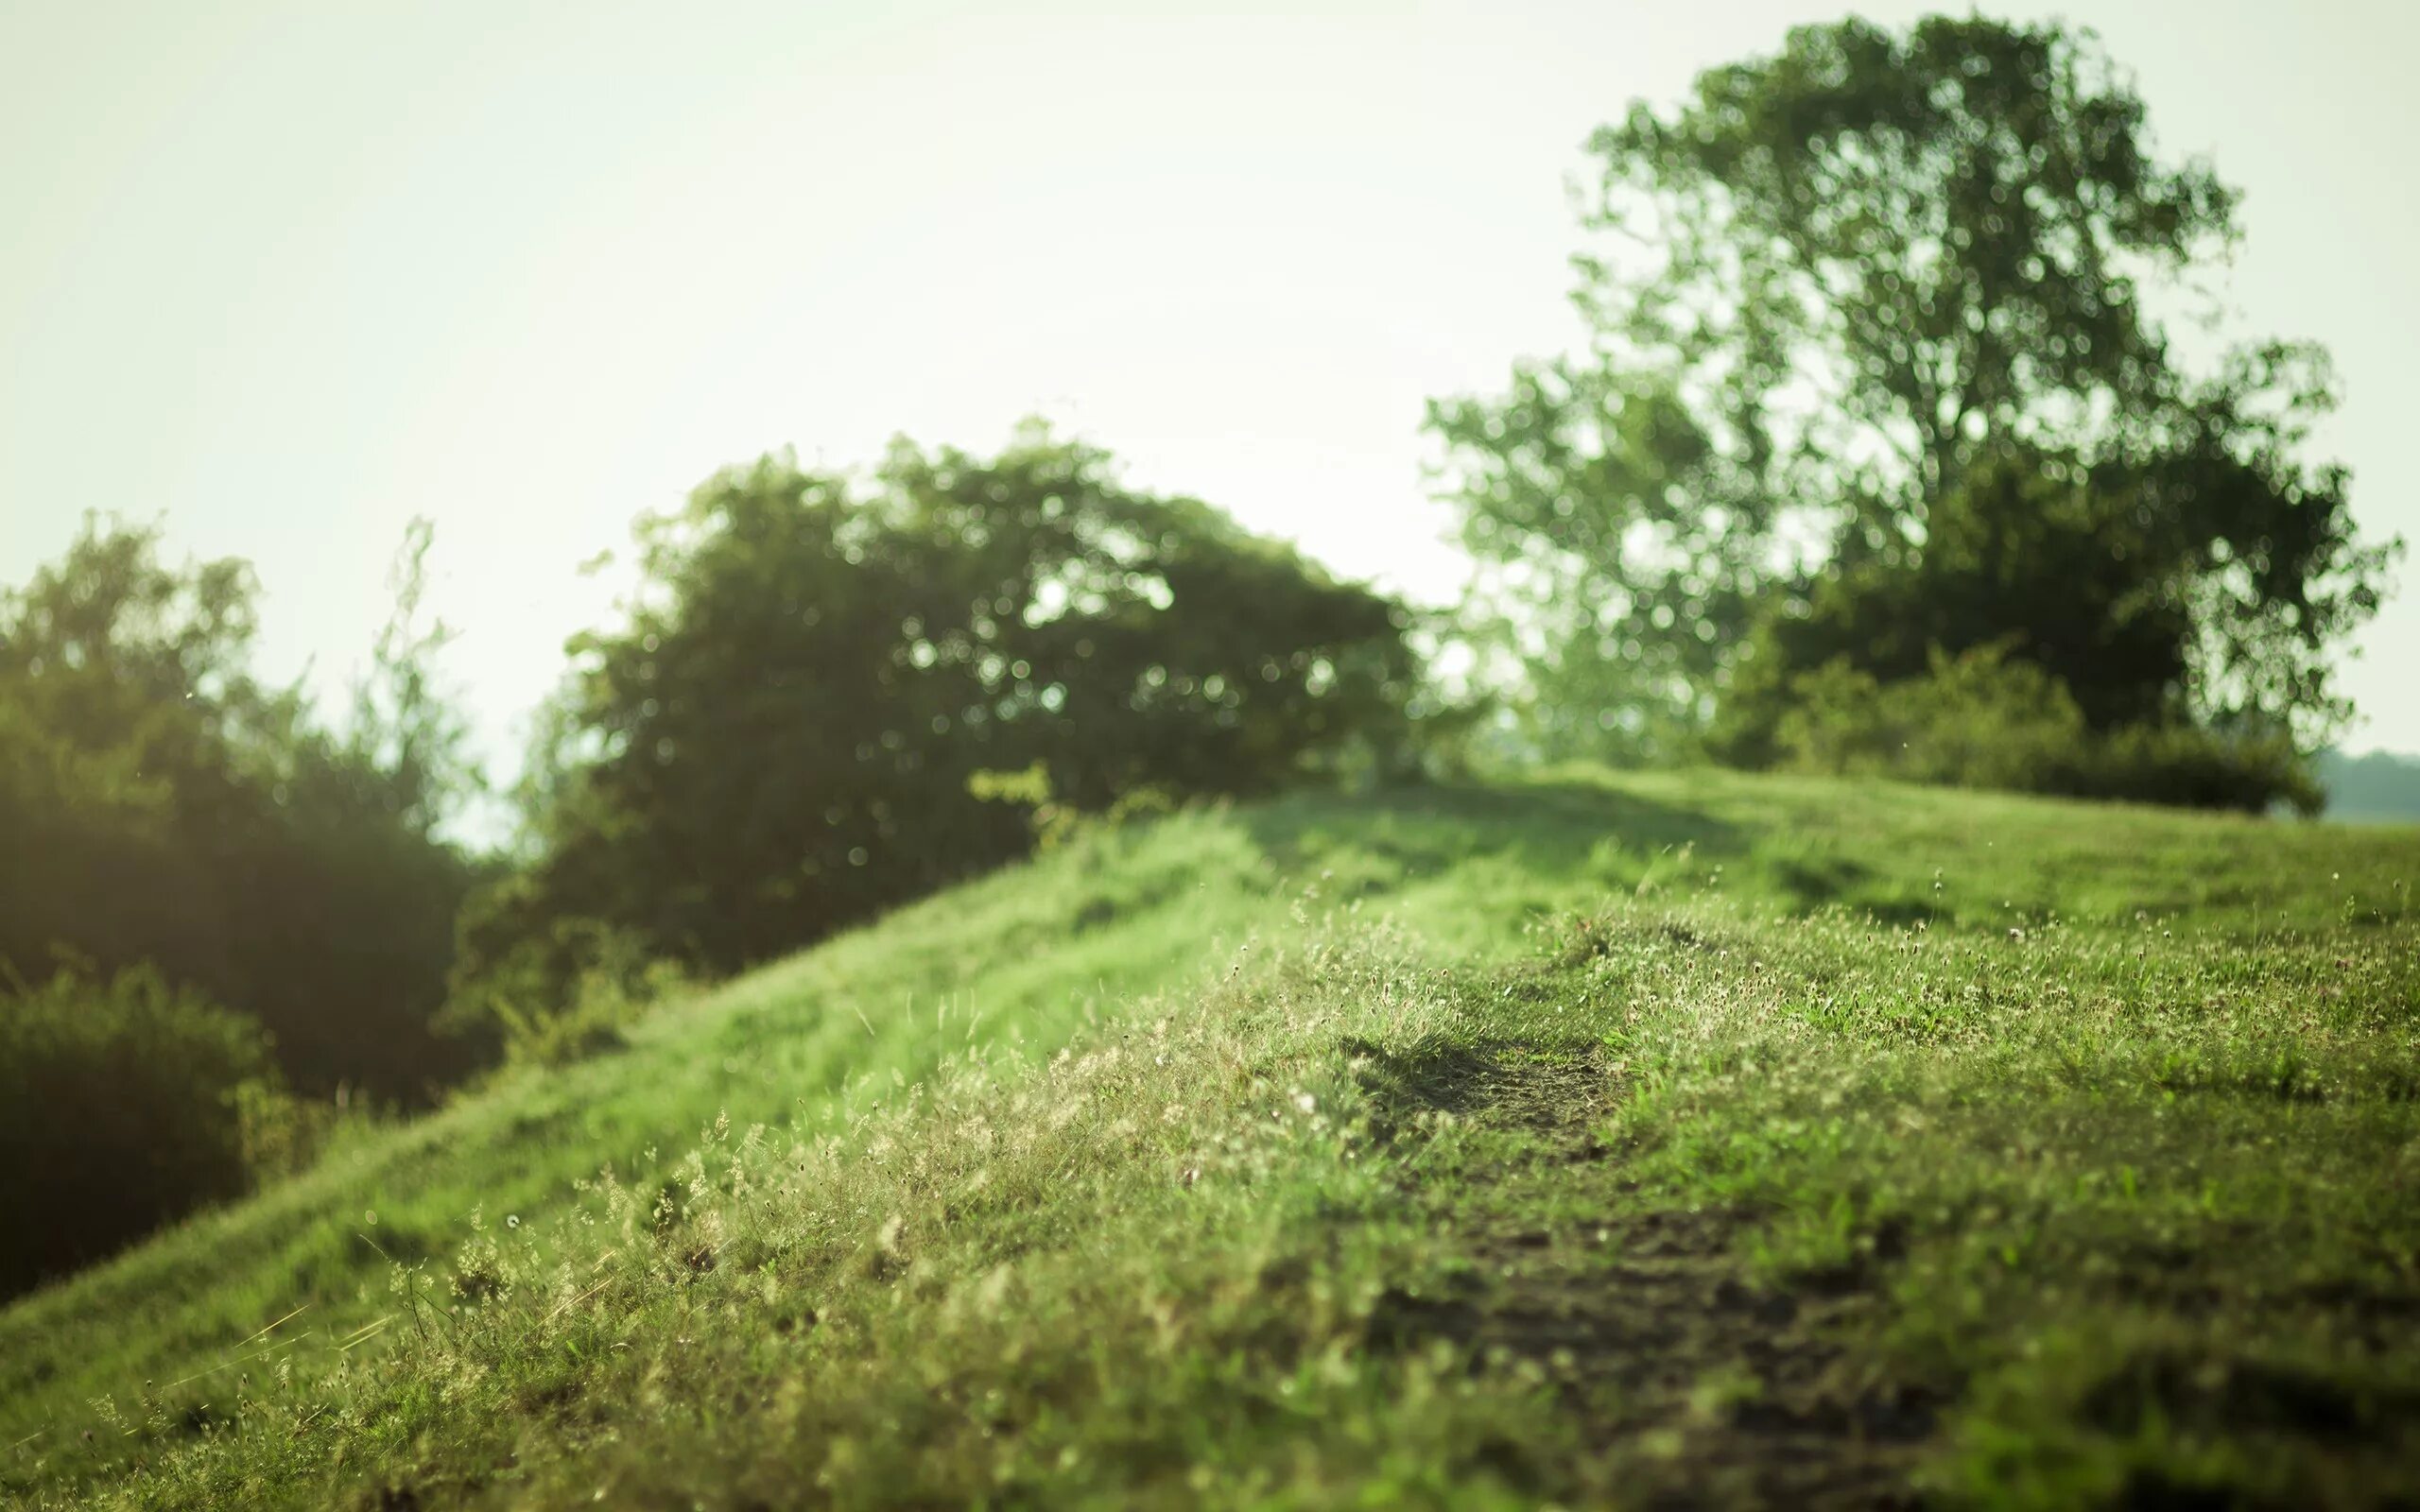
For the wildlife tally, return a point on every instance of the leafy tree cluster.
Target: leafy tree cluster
(1881, 364)
(212, 897)
(792, 728)
(829, 694)
(169, 810)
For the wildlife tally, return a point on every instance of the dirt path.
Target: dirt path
(1695, 1387)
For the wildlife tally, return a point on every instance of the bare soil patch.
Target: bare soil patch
(1694, 1385)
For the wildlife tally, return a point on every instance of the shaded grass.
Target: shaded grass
(1262, 1158)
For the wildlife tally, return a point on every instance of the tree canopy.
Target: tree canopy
(785, 734)
(167, 808)
(1901, 309)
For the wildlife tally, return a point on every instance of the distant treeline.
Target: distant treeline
(2379, 786)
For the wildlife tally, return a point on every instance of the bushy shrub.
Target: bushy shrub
(1977, 720)
(2200, 768)
(778, 741)
(1056, 822)
(563, 994)
(1984, 718)
(284, 1132)
(123, 1105)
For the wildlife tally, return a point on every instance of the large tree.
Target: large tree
(1899, 304)
(785, 735)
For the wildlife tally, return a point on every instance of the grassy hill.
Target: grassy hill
(1578, 1141)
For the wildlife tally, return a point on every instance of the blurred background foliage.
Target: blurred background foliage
(783, 736)
(1883, 458)
(1880, 365)
(165, 808)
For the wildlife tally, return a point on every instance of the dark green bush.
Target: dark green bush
(779, 740)
(562, 992)
(124, 1104)
(1977, 720)
(1987, 719)
(161, 806)
(2199, 768)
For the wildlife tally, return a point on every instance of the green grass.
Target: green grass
(1584, 1142)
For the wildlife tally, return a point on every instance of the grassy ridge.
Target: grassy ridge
(1787, 1142)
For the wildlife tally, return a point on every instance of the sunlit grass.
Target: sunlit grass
(1460, 1145)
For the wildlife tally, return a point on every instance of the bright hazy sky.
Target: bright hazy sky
(291, 274)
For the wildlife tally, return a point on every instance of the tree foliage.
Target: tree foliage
(161, 806)
(119, 1110)
(1888, 315)
(1982, 720)
(785, 734)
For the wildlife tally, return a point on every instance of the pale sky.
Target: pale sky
(291, 274)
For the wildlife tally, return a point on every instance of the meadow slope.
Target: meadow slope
(1647, 1140)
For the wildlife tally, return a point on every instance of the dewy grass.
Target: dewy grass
(1585, 1141)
